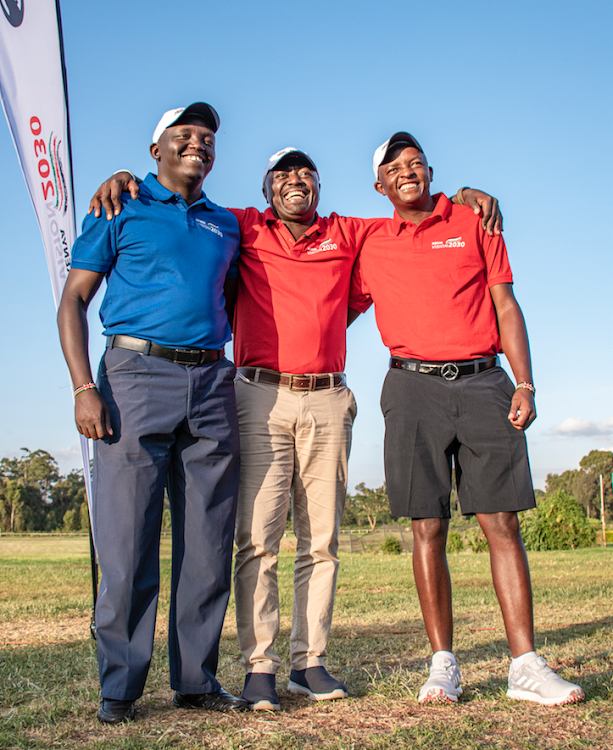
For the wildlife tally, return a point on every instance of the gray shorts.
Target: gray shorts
(429, 421)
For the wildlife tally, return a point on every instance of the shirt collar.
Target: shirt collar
(315, 227)
(441, 212)
(159, 193)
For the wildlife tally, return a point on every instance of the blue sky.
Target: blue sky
(514, 98)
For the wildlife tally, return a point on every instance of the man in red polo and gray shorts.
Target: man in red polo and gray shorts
(444, 304)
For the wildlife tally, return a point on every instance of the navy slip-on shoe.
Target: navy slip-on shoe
(317, 683)
(260, 692)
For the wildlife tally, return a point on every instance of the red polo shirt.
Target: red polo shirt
(430, 284)
(293, 295)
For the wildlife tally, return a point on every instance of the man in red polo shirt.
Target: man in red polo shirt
(442, 289)
(295, 413)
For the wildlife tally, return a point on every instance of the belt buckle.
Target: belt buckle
(187, 356)
(450, 371)
(311, 379)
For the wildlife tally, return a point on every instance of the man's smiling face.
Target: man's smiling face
(292, 191)
(185, 151)
(406, 179)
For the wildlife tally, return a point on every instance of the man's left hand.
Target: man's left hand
(523, 410)
(481, 202)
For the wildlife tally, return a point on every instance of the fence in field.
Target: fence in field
(351, 540)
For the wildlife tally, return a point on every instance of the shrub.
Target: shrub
(72, 521)
(166, 519)
(477, 541)
(454, 542)
(557, 522)
(391, 546)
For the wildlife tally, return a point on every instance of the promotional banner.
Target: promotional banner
(35, 101)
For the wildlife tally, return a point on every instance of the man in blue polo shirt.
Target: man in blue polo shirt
(162, 414)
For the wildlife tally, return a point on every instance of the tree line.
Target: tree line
(34, 496)
(584, 483)
(368, 507)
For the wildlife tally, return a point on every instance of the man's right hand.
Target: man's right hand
(92, 415)
(108, 195)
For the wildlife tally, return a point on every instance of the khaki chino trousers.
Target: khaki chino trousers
(293, 443)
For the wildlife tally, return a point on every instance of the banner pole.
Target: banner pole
(34, 95)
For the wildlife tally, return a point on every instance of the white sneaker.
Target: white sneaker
(535, 681)
(443, 685)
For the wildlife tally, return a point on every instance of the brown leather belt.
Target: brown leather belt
(445, 370)
(312, 382)
(180, 356)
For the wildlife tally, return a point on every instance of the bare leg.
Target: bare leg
(511, 577)
(432, 580)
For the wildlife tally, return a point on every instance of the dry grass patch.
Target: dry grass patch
(49, 687)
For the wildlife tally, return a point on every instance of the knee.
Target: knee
(430, 531)
(500, 528)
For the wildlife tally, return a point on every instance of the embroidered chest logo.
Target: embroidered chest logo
(451, 242)
(322, 247)
(210, 226)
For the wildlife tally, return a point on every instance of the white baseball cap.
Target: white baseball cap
(275, 159)
(201, 109)
(381, 153)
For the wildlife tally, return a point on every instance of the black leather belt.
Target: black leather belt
(313, 382)
(180, 356)
(446, 370)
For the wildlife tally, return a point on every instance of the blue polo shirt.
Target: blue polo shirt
(166, 264)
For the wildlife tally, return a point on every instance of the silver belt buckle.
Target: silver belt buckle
(449, 371)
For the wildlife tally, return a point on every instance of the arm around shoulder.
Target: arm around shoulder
(481, 203)
(108, 195)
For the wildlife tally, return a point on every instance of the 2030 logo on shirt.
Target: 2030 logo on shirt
(210, 226)
(452, 242)
(323, 246)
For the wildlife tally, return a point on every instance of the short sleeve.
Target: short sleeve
(95, 249)
(497, 267)
(359, 296)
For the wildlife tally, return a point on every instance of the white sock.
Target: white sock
(441, 656)
(523, 659)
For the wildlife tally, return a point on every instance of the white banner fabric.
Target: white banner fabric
(35, 101)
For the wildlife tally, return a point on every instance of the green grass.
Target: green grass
(49, 685)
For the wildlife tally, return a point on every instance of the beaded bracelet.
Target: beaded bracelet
(86, 387)
(527, 386)
(460, 196)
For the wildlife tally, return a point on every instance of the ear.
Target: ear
(431, 173)
(379, 188)
(154, 150)
(265, 189)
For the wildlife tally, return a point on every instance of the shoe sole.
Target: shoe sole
(576, 696)
(334, 695)
(439, 696)
(263, 705)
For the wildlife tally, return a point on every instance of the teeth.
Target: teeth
(194, 158)
(295, 195)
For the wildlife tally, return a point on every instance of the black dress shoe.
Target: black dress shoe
(219, 701)
(115, 712)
